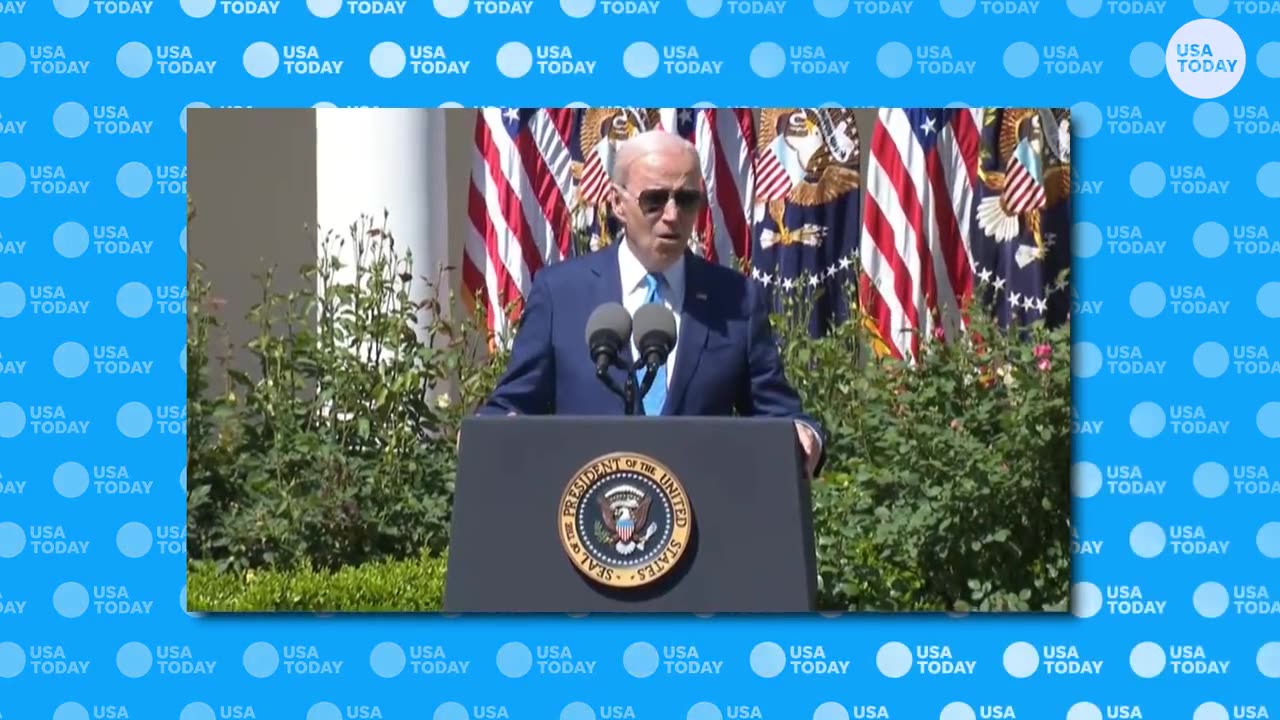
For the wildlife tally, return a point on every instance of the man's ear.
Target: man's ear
(613, 199)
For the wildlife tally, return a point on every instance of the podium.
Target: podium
(630, 514)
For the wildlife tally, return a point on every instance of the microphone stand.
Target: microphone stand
(630, 394)
(651, 373)
(628, 390)
(634, 395)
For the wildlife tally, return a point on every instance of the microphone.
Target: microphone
(608, 329)
(655, 331)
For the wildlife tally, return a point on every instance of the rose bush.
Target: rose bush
(948, 480)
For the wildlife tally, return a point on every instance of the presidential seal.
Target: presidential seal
(625, 520)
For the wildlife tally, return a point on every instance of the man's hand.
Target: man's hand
(809, 442)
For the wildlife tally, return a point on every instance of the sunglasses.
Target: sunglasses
(652, 201)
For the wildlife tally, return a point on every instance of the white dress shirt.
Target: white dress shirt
(635, 288)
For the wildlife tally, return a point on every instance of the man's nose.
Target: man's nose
(670, 212)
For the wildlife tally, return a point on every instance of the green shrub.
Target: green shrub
(946, 485)
(414, 585)
(338, 452)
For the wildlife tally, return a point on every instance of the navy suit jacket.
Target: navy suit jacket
(726, 353)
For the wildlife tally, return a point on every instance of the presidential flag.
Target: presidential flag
(1021, 238)
(595, 137)
(806, 211)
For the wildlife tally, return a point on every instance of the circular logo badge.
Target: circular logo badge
(1205, 58)
(625, 520)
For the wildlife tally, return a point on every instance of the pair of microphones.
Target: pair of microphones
(610, 328)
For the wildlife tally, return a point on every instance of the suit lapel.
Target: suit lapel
(693, 335)
(608, 286)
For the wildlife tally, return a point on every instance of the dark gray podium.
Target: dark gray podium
(630, 514)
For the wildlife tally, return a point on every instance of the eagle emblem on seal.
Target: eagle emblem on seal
(624, 512)
(624, 520)
(1032, 173)
(807, 156)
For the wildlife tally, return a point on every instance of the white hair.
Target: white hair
(649, 142)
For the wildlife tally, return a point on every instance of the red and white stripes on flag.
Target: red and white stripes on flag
(726, 142)
(772, 181)
(920, 193)
(519, 204)
(522, 191)
(1023, 189)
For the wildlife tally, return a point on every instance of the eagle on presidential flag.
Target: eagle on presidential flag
(807, 209)
(1021, 243)
(597, 133)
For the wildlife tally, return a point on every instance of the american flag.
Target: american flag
(726, 140)
(917, 225)
(519, 206)
(524, 197)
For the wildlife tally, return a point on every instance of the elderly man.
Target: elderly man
(725, 358)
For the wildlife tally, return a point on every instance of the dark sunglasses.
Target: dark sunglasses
(652, 201)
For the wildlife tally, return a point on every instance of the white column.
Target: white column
(373, 160)
(392, 161)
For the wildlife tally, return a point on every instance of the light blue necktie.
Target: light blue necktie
(657, 394)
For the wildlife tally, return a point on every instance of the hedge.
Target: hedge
(415, 585)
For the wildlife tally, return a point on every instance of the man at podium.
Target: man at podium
(724, 358)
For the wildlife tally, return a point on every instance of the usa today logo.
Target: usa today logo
(1205, 58)
(75, 8)
(1136, 7)
(1130, 120)
(45, 60)
(525, 7)
(389, 59)
(11, 126)
(940, 60)
(135, 60)
(11, 487)
(1149, 660)
(769, 60)
(642, 659)
(50, 420)
(71, 120)
(756, 7)
(890, 7)
(1245, 119)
